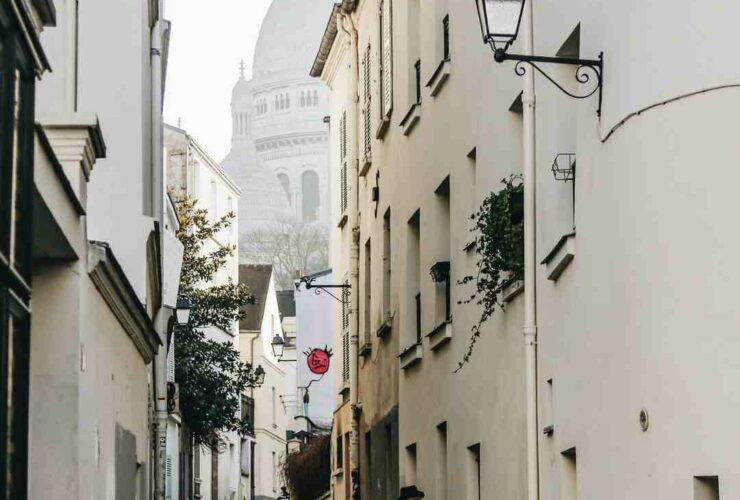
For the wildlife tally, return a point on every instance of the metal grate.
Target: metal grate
(564, 167)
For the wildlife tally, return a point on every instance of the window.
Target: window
(386, 58)
(417, 77)
(441, 270)
(311, 198)
(274, 472)
(411, 465)
(213, 200)
(446, 38)
(706, 488)
(387, 265)
(274, 408)
(339, 453)
(16, 191)
(474, 477)
(285, 183)
(413, 283)
(369, 462)
(315, 97)
(441, 472)
(287, 101)
(569, 482)
(367, 296)
(343, 160)
(366, 122)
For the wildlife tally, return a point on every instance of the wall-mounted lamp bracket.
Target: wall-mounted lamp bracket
(308, 282)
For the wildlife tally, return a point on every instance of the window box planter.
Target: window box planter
(366, 349)
(560, 256)
(410, 356)
(441, 335)
(512, 290)
(385, 328)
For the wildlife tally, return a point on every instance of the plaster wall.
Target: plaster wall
(645, 309)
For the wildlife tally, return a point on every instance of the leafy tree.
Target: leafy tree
(499, 248)
(291, 246)
(210, 374)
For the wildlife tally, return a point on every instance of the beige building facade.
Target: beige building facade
(632, 260)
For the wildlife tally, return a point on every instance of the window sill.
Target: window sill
(410, 356)
(439, 77)
(337, 472)
(343, 220)
(366, 350)
(413, 116)
(512, 291)
(560, 256)
(344, 389)
(385, 329)
(383, 127)
(441, 335)
(365, 166)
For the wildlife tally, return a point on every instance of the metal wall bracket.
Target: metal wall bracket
(582, 75)
(308, 282)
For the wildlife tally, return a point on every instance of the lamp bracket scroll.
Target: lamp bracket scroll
(309, 283)
(588, 71)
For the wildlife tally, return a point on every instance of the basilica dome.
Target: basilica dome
(289, 38)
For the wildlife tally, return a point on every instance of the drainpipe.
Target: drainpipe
(530, 263)
(162, 316)
(354, 252)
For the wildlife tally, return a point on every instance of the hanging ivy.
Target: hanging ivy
(498, 231)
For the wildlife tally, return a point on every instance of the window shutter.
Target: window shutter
(366, 106)
(171, 361)
(386, 26)
(343, 156)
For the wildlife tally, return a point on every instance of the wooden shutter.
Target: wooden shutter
(367, 142)
(343, 160)
(386, 56)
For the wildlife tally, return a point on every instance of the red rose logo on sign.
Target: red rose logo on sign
(318, 361)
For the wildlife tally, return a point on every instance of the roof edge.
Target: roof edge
(330, 34)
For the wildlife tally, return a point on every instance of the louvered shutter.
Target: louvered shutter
(386, 24)
(366, 122)
(343, 159)
(171, 361)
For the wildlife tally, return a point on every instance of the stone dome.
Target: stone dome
(289, 38)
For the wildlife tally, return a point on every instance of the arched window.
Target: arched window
(303, 99)
(315, 97)
(287, 101)
(310, 189)
(285, 182)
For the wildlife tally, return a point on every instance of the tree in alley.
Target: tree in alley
(210, 374)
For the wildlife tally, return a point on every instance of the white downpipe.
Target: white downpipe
(354, 252)
(161, 320)
(530, 262)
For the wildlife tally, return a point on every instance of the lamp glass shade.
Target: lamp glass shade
(500, 19)
(278, 346)
(259, 375)
(182, 312)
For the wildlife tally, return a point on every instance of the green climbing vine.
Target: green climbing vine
(499, 246)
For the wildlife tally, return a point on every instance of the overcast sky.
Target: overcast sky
(209, 38)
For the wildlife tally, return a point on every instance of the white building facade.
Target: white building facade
(274, 401)
(193, 174)
(632, 402)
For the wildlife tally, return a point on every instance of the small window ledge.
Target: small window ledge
(560, 256)
(366, 350)
(342, 220)
(411, 119)
(439, 77)
(365, 165)
(514, 289)
(441, 335)
(410, 356)
(344, 389)
(385, 329)
(338, 472)
(383, 127)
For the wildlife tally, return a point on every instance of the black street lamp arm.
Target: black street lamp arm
(309, 281)
(596, 66)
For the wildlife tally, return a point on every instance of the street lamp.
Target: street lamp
(259, 376)
(182, 311)
(278, 346)
(500, 21)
